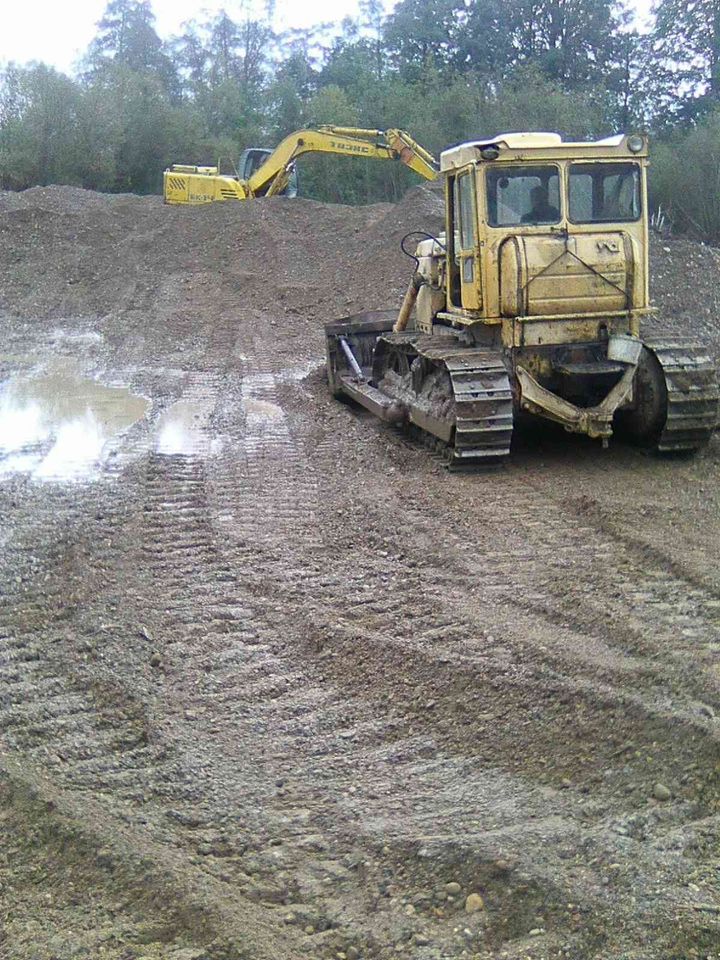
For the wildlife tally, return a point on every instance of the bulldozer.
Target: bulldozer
(530, 303)
(268, 173)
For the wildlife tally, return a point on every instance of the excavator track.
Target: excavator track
(692, 394)
(475, 416)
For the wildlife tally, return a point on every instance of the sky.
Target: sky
(58, 33)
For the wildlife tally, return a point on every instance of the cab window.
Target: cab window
(523, 195)
(464, 222)
(604, 192)
(465, 211)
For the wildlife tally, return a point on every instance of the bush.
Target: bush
(685, 180)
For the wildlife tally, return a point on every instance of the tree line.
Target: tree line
(446, 70)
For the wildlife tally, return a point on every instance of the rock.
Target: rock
(536, 932)
(706, 710)
(453, 888)
(474, 903)
(661, 792)
(155, 660)
(353, 953)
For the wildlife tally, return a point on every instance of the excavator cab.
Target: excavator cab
(252, 159)
(531, 300)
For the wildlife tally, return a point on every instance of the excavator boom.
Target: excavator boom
(187, 184)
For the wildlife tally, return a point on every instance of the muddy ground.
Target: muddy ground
(275, 685)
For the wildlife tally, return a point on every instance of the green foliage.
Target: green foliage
(687, 47)
(39, 122)
(686, 180)
(126, 38)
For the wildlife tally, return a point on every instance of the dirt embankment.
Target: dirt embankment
(275, 685)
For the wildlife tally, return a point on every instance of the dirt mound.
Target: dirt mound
(72, 252)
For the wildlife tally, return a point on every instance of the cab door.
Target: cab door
(466, 250)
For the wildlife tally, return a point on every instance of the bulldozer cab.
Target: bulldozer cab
(539, 230)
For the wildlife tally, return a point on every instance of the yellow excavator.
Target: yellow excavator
(531, 301)
(268, 173)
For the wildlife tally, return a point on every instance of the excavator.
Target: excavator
(530, 303)
(269, 173)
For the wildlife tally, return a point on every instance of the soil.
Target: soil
(275, 685)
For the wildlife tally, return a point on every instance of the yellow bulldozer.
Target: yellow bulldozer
(531, 301)
(268, 173)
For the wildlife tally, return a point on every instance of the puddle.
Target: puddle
(181, 428)
(261, 409)
(90, 336)
(295, 374)
(60, 426)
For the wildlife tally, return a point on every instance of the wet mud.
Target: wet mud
(275, 685)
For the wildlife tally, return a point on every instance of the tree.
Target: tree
(486, 44)
(571, 41)
(192, 60)
(126, 37)
(38, 127)
(687, 49)
(421, 36)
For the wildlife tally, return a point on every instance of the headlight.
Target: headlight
(635, 143)
(491, 152)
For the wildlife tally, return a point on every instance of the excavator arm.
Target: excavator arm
(188, 184)
(271, 177)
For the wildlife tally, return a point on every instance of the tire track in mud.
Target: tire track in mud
(555, 567)
(216, 611)
(643, 715)
(314, 585)
(90, 732)
(77, 747)
(280, 629)
(46, 716)
(327, 750)
(529, 552)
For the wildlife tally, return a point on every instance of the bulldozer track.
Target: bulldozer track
(692, 394)
(483, 406)
(482, 399)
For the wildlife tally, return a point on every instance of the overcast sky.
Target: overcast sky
(57, 33)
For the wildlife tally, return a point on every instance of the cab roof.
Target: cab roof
(536, 146)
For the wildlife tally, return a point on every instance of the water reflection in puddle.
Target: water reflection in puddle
(181, 428)
(261, 409)
(59, 426)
